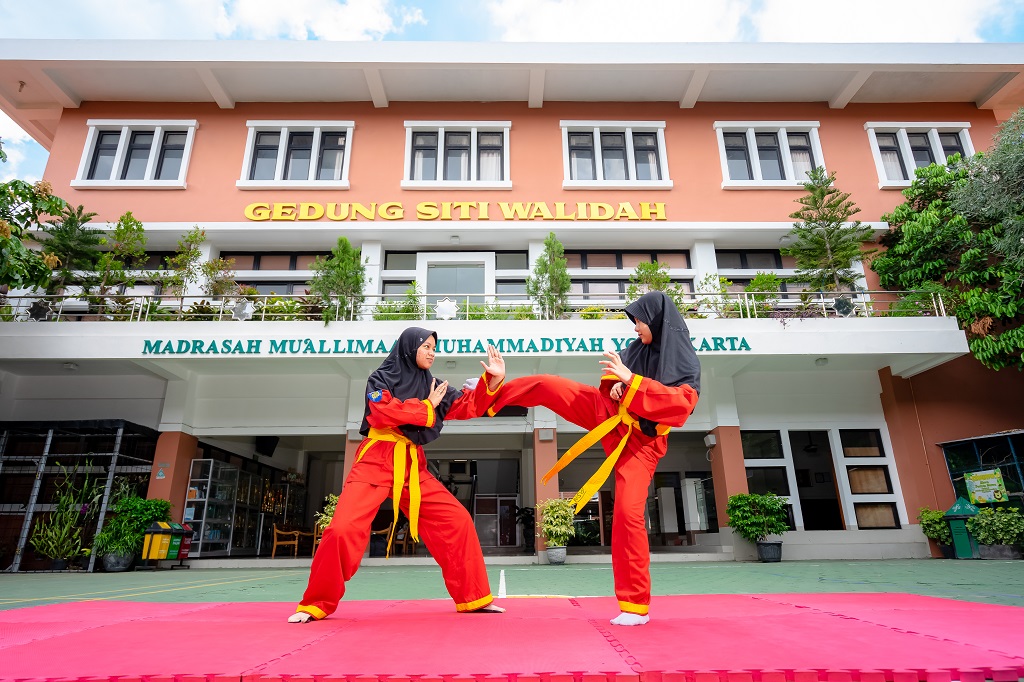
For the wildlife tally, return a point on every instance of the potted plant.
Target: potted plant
(936, 528)
(58, 536)
(999, 532)
(556, 527)
(122, 535)
(754, 517)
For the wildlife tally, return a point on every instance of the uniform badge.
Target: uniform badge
(375, 396)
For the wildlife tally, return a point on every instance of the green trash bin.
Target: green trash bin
(964, 544)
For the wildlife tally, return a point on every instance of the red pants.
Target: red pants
(445, 528)
(584, 406)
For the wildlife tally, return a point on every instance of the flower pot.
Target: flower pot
(59, 565)
(556, 555)
(769, 552)
(999, 552)
(116, 563)
(947, 551)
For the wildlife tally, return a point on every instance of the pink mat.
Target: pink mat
(697, 638)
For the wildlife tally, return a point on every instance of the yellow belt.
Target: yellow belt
(581, 498)
(403, 447)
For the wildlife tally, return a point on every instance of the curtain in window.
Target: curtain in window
(490, 164)
(891, 164)
(424, 165)
(802, 164)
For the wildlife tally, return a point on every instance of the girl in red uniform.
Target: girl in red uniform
(405, 409)
(652, 386)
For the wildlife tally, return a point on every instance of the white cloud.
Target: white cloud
(25, 158)
(753, 20)
(616, 21)
(209, 19)
(11, 131)
(933, 21)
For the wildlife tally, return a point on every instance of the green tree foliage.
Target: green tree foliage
(931, 246)
(409, 307)
(23, 206)
(826, 244)
(338, 281)
(550, 283)
(653, 276)
(995, 193)
(74, 242)
(184, 266)
(127, 252)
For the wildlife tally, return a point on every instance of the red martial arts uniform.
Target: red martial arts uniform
(382, 462)
(633, 454)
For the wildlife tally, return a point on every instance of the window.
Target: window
(767, 154)
(899, 148)
(625, 260)
(135, 154)
(614, 155)
(763, 260)
(262, 260)
(306, 154)
(457, 154)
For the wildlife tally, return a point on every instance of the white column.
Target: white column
(703, 261)
(372, 254)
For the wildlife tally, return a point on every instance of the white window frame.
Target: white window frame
(473, 128)
(780, 128)
(628, 128)
(126, 128)
(285, 128)
(901, 130)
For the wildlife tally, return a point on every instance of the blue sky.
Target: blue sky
(884, 21)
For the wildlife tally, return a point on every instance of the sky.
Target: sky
(612, 21)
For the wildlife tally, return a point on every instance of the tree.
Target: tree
(995, 193)
(127, 252)
(653, 276)
(73, 243)
(932, 247)
(338, 281)
(826, 244)
(22, 206)
(184, 266)
(550, 283)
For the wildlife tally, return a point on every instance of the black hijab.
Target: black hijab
(400, 375)
(669, 358)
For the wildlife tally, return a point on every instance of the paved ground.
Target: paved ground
(994, 582)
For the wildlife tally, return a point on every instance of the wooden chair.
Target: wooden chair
(318, 533)
(404, 543)
(285, 538)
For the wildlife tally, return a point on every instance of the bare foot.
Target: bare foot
(301, 617)
(630, 619)
(490, 608)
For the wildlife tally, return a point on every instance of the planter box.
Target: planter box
(999, 552)
(556, 555)
(769, 552)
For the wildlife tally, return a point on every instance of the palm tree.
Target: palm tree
(75, 244)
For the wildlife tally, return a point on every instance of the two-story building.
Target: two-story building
(448, 165)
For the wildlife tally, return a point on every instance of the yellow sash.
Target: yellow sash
(581, 498)
(403, 447)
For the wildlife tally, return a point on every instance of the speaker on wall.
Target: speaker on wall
(265, 445)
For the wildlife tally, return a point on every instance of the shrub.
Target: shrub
(754, 517)
(556, 521)
(934, 526)
(1000, 526)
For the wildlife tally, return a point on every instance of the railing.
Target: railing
(743, 305)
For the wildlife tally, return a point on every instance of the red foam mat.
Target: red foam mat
(698, 638)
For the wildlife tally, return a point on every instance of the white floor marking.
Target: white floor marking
(501, 585)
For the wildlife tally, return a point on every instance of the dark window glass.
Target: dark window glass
(137, 156)
(456, 156)
(424, 156)
(332, 156)
(764, 480)
(761, 444)
(737, 157)
(613, 156)
(581, 156)
(645, 153)
(513, 260)
(770, 156)
(861, 443)
(298, 156)
(264, 157)
(396, 260)
(510, 288)
(921, 148)
(172, 151)
(103, 158)
(951, 144)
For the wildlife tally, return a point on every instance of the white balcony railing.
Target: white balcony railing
(740, 305)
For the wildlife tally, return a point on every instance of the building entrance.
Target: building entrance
(816, 480)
